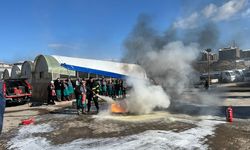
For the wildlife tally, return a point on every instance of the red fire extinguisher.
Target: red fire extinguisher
(229, 114)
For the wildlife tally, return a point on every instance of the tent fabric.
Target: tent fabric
(100, 67)
(93, 71)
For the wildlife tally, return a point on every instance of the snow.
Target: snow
(193, 138)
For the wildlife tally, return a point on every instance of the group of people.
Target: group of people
(114, 88)
(85, 91)
(60, 90)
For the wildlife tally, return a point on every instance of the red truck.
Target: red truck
(16, 90)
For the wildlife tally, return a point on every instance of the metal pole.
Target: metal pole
(235, 59)
(208, 63)
(208, 54)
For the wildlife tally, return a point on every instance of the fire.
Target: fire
(117, 108)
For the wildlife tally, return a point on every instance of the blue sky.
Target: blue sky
(98, 28)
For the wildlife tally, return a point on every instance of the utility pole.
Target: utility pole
(208, 64)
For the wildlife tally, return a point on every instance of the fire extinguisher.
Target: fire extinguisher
(229, 114)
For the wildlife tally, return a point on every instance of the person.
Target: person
(65, 90)
(206, 85)
(124, 88)
(80, 93)
(116, 86)
(104, 87)
(120, 89)
(84, 92)
(78, 97)
(62, 90)
(92, 89)
(70, 89)
(51, 93)
(109, 88)
(113, 92)
(58, 89)
(100, 87)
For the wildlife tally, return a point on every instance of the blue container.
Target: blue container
(2, 106)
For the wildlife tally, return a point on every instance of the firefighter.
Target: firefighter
(92, 89)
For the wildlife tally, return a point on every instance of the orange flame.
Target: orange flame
(117, 108)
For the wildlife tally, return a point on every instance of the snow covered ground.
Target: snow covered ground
(193, 138)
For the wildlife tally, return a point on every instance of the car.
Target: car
(247, 76)
(16, 90)
(239, 75)
(214, 77)
(228, 76)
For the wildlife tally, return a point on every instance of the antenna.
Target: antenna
(234, 44)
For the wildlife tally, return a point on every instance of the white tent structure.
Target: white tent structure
(16, 72)
(7, 73)
(27, 70)
(100, 67)
(49, 68)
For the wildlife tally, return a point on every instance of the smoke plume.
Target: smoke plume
(168, 57)
(144, 97)
(167, 60)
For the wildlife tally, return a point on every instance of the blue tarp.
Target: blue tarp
(93, 71)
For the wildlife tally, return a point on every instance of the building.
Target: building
(214, 57)
(245, 54)
(204, 56)
(230, 53)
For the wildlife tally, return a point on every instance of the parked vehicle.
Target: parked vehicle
(2, 107)
(214, 77)
(239, 75)
(228, 76)
(16, 90)
(247, 76)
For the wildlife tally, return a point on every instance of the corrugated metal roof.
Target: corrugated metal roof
(54, 66)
